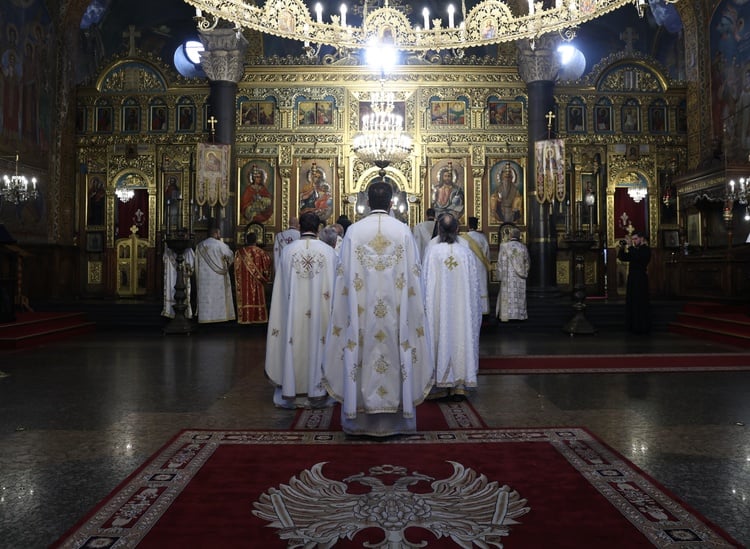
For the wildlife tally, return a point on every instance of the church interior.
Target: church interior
(126, 125)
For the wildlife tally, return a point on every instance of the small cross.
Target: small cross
(212, 122)
(550, 116)
(131, 35)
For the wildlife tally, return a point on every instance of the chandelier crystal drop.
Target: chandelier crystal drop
(17, 188)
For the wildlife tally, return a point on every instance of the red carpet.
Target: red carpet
(431, 415)
(522, 489)
(32, 328)
(550, 364)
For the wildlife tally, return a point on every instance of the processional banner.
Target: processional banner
(549, 155)
(212, 181)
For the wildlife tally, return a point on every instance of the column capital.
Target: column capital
(537, 59)
(222, 58)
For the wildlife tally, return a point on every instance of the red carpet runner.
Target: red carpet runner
(524, 488)
(551, 364)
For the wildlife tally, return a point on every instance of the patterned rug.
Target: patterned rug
(431, 415)
(490, 488)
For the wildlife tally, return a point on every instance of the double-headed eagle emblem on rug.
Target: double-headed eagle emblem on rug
(315, 511)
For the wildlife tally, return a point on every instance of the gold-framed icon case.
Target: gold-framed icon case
(256, 201)
(96, 199)
(172, 198)
(316, 184)
(506, 202)
(448, 113)
(447, 187)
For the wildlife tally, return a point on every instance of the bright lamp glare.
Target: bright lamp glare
(381, 56)
(193, 49)
(566, 52)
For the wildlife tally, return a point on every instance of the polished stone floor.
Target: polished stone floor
(76, 417)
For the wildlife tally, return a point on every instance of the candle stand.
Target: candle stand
(579, 243)
(178, 243)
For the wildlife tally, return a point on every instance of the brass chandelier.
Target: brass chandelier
(489, 22)
(16, 187)
(382, 140)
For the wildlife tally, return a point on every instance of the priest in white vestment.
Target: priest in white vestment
(454, 316)
(423, 232)
(284, 238)
(170, 279)
(378, 361)
(213, 259)
(300, 313)
(484, 266)
(513, 265)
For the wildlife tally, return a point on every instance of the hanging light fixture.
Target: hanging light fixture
(125, 188)
(488, 22)
(638, 193)
(17, 187)
(382, 140)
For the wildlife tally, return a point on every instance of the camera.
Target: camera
(623, 242)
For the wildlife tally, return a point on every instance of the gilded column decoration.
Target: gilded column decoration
(224, 52)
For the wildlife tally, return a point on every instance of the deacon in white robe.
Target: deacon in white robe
(423, 231)
(284, 238)
(482, 263)
(300, 313)
(454, 317)
(485, 265)
(378, 362)
(170, 279)
(213, 259)
(512, 269)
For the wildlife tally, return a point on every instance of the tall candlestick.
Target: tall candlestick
(342, 9)
(169, 217)
(319, 12)
(451, 11)
(426, 15)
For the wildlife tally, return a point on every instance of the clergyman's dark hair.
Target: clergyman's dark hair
(379, 196)
(447, 228)
(309, 222)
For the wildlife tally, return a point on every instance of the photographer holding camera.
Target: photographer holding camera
(637, 303)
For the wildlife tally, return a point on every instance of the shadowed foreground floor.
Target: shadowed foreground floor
(77, 417)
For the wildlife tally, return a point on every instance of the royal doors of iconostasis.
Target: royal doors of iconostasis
(629, 196)
(120, 234)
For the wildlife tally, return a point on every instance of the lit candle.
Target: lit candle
(198, 12)
(343, 14)
(169, 217)
(531, 7)
(451, 11)
(731, 185)
(190, 218)
(319, 12)
(426, 15)
(558, 4)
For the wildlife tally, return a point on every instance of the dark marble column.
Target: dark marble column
(222, 61)
(538, 66)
